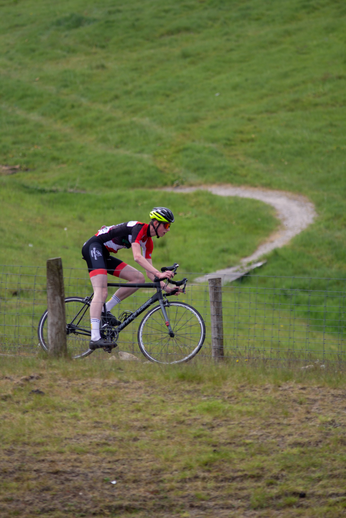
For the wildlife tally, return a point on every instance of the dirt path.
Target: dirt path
(294, 211)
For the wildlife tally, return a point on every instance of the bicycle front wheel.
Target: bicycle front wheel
(77, 327)
(188, 328)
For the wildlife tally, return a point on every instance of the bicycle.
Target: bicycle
(171, 332)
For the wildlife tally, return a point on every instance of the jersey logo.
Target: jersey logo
(104, 230)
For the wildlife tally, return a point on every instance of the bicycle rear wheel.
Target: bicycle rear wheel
(77, 327)
(188, 328)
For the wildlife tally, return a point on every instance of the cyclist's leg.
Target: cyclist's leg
(99, 283)
(95, 254)
(128, 273)
(132, 275)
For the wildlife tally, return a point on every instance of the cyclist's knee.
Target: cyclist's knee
(100, 293)
(138, 277)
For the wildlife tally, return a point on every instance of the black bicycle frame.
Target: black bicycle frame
(154, 298)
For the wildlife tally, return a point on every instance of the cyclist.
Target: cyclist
(96, 252)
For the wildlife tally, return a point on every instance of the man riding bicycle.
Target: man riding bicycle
(96, 252)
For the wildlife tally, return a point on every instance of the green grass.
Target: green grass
(212, 440)
(100, 100)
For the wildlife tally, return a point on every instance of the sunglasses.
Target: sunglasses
(166, 225)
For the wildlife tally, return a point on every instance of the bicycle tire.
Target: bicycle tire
(77, 328)
(188, 328)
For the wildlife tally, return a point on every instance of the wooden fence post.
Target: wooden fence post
(57, 345)
(215, 297)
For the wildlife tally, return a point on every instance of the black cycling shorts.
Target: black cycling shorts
(99, 260)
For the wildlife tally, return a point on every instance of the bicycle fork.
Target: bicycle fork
(163, 309)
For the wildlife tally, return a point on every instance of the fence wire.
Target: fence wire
(263, 317)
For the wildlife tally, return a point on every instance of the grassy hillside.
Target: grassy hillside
(99, 100)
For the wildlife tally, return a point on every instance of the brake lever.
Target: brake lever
(183, 282)
(172, 268)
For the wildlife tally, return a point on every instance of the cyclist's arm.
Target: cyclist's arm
(148, 265)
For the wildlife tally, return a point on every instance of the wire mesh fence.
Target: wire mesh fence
(23, 300)
(274, 318)
(285, 318)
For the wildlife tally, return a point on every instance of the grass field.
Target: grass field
(199, 440)
(101, 105)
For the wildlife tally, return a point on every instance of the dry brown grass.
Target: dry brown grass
(191, 441)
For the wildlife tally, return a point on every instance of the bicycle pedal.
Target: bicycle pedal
(109, 348)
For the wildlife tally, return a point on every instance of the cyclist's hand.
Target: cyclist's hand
(165, 275)
(173, 289)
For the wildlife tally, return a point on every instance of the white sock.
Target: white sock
(112, 302)
(95, 329)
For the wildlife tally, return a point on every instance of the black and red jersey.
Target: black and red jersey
(123, 235)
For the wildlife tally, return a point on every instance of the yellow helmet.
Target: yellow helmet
(162, 214)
